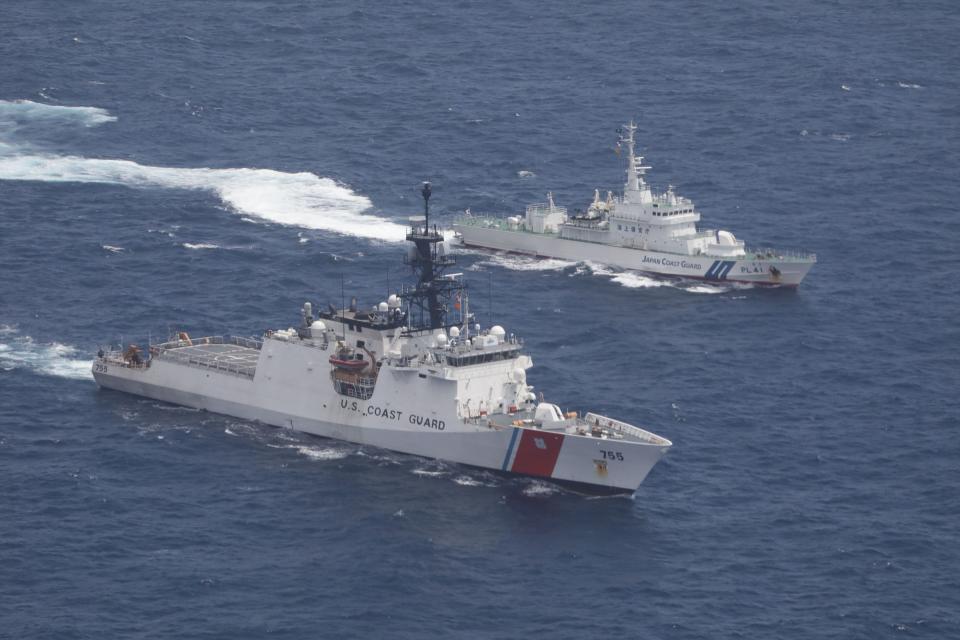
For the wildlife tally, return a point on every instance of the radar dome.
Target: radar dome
(441, 339)
(382, 307)
(318, 326)
(393, 301)
(454, 332)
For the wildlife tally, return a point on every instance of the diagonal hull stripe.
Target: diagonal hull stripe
(711, 272)
(513, 442)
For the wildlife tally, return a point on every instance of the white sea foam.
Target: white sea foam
(12, 111)
(429, 473)
(907, 85)
(200, 245)
(637, 280)
(51, 359)
(295, 199)
(704, 288)
(629, 279)
(467, 481)
(112, 249)
(538, 489)
(322, 453)
(633, 280)
(526, 263)
(626, 278)
(526, 174)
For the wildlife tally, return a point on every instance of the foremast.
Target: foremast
(434, 294)
(636, 188)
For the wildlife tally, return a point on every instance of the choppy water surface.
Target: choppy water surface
(208, 167)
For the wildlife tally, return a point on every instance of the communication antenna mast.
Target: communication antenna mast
(431, 296)
(343, 311)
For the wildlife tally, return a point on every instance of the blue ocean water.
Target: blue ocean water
(210, 166)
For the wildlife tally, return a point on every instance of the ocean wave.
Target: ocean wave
(321, 453)
(430, 473)
(294, 199)
(703, 288)
(49, 359)
(17, 111)
(628, 279)
(468, 481)
(540, 489)
(639, 280)
(516, 262)
(199, 245)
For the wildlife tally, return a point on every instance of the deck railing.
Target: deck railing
(790, 255)
(623, 428)
(179, 351)
(240, 341)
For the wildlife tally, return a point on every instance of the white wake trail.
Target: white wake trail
(293, 199)
(53, 359)
(13, 112)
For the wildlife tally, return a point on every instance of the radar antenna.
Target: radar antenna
(430, 298)
(635, 167)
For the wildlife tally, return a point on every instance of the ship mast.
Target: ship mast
(429, 299)
(635, 167)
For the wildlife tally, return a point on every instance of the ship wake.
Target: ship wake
(623, 277)
(48, 359)
(294, 199)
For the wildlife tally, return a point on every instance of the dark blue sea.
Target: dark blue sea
(208, 167)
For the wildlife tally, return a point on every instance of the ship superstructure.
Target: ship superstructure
(414, 373)
(653, 232)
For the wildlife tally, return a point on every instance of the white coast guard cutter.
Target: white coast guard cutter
(413, 374)
(655, 233)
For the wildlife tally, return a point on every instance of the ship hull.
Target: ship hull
(784, 273)
(604, 466)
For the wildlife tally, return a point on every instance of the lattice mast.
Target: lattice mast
(432, 297)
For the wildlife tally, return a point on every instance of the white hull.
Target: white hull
(791, 272)
(298, 394)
